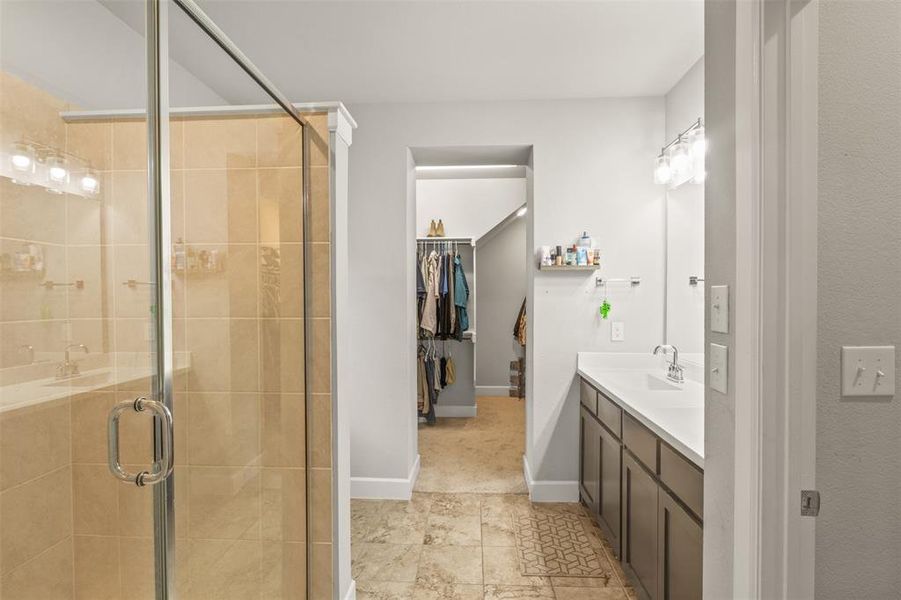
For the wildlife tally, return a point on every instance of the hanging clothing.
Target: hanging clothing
(519, 328)
(450, 370)
(429, 320)
(461, 297)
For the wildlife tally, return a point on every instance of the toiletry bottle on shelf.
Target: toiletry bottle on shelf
(585, 240)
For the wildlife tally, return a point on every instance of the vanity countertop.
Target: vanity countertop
(638, 383)
(100, 371)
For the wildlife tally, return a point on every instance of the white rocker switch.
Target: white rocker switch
(868, 370)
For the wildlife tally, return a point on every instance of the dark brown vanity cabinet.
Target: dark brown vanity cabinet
(590, 457)
(646, 497)
(679, 550)
(609, 511)
(640, 524)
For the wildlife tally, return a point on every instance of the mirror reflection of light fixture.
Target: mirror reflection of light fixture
(57, 174)
(662, 171)
(22, 158)
(90, 183)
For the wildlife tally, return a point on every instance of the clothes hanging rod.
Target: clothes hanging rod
(426, 240)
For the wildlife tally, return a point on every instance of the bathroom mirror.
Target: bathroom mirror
(685, 270)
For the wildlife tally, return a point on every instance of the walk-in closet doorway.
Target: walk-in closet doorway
(471, 277)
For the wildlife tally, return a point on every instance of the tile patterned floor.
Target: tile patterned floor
(461, 546)
(482, 454)
(456, 539)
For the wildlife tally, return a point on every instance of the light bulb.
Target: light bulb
(697, 141)
(56, 169)
(22, 158)
(679, 158)
(58, 174)
(662, 171)
(90, 183)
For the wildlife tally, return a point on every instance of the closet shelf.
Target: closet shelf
(569, 267)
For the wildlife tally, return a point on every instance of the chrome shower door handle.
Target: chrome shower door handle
(161, 467)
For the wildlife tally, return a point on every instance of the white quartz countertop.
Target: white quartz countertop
(638, 383)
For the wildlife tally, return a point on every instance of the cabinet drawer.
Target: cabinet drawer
(640, 440)
(610, 415)
(682, 477)
(589, 396)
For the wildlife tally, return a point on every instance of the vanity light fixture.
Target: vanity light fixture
(682, 159)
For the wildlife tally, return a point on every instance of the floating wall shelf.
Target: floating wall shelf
(568, 267)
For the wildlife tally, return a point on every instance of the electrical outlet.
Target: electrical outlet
(868, 371)
(617, 331)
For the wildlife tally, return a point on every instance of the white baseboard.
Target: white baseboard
(549, 490)
(450, 410)
(492, 390)
(351, 590)
(385, 488)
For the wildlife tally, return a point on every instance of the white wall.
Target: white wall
(502, 280)
(82, 53)
(469, 207)
(858, 465)
(592, 162)
(685, 225)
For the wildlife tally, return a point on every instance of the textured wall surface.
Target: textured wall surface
(858, 548)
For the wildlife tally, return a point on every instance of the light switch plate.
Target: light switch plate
(868, 370)
(719, 308)
(719, 368)
(618, 331)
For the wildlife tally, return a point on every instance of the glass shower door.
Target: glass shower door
(73, 338)
(236, 264)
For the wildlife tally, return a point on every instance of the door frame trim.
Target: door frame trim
(775, 297)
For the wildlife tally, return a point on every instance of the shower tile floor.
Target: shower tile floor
(474, 544)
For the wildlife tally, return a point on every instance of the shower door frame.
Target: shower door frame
(159, 206)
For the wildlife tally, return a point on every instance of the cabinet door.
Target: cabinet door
(610, 500)
(589, 459)
(680, 551)
(640, 524)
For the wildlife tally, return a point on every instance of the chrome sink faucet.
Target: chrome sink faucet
(673, 371)
(69, 367)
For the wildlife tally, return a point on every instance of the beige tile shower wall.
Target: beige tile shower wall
(68, 528)
(36, 518)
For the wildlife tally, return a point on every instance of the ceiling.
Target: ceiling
(436, 51)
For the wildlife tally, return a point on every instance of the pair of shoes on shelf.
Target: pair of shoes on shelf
(436, 230)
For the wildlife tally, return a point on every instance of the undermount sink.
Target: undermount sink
(87, 380)
(646, 382)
